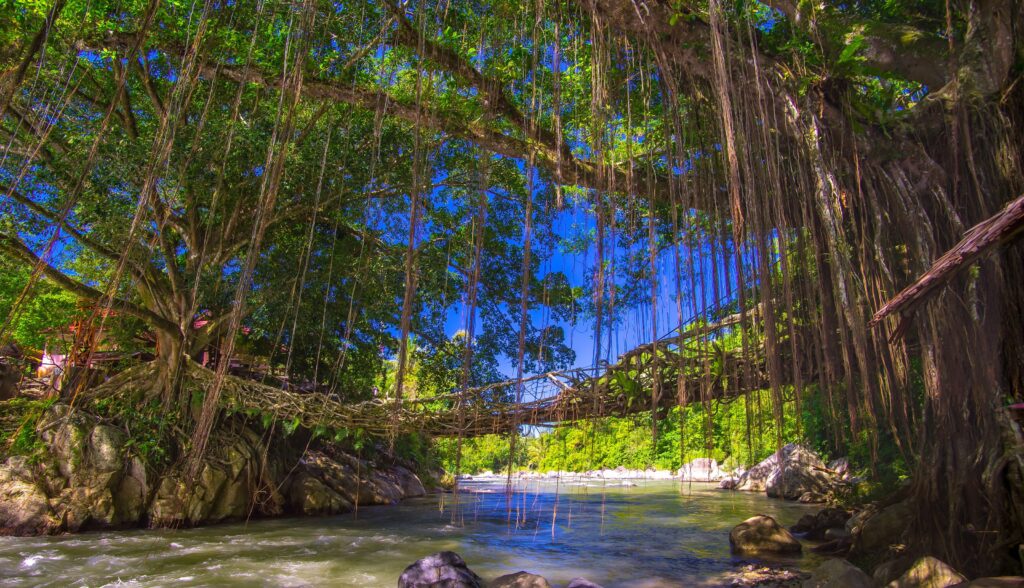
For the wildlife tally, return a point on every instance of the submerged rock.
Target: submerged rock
(582, 583)
(440, 570)
(753, 575)
(520, 580)
(762, 534)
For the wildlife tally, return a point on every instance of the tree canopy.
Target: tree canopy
(346, 184)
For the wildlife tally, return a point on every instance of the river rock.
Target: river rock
(582, 583)
(729, 483)
(877, 530)
(801, 472)
(996, 582)
(892, 569)
(520, 580)
(409, 482)
(813, 498)
(762, 534)
(838, 572)
(790, 473)
(440, 570)
(928, 572)
(702, 469)
(816, 526)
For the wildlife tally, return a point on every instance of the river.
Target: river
(650, 535)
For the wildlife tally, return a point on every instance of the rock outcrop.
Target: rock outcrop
(87, 476)
(762, 534)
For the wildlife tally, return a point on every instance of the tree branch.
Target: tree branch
(1000, 229)
(17, 248)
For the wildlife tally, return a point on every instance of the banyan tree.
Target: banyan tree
(842, 178)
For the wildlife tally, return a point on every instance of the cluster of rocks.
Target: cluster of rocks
(86, 476)
(448, 570)
(794, 473)
(871, 531)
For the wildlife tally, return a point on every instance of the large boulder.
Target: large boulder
(877, 530)
(790, 473)
(928, 572)
(762, 534)
(520, 580)
(800, 472)
(24, 508)
(310, 496)
(360, 482)
(702, 469)
(440, 570)
(838, 572)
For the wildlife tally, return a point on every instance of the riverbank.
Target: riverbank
(80, 471)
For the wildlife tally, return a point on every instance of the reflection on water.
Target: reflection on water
(653, 534)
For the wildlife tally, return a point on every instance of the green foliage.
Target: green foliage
(45, 311)
(24, 440)
(149, 426)
(720, 433)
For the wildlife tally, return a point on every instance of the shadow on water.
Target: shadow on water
(652, 534)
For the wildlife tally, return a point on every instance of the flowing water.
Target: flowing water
(651, 534)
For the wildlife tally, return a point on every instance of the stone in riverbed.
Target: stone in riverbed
(876, 531)
(581, 583)
(440, 570)
(702, 469)
(928, 572)
(762, 534)
(815, 526)
(520, 580)
(838, 572)
(789, 473)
